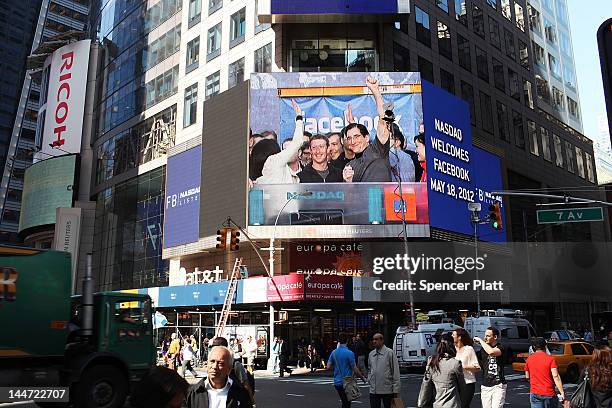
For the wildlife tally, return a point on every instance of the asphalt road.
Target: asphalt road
(315, 390)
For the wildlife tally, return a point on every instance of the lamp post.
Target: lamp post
(474, 209)
(271, 250)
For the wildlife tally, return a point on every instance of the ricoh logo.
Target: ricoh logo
(183, 198)
(8, 283)
(63, 98)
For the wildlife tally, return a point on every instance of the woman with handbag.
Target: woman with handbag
(595, 390)
(342, 360)
(444, 376)
(466, 354)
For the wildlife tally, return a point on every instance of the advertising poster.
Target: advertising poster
(286, 288)
(182, 206)
(324, 287)
(326, 258)
(306, 183)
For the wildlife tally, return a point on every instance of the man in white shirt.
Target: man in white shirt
(218, 390)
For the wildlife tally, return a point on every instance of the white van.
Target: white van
(515, 332)
(413, 347)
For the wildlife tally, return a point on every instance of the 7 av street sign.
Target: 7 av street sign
(564, 215)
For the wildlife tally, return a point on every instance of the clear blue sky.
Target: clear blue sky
(585, 17)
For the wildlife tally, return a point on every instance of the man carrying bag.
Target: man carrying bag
(384, 375)
(343, 362)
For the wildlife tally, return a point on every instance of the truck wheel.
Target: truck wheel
(101, 386)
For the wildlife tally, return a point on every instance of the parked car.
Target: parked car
(561, 335)
(414, 347)
(571, 358)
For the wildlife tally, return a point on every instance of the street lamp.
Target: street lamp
(271, 249)
(474, 209)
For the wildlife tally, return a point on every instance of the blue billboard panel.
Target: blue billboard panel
(182, 214)
(197, 295)
(335, 6)
(457, 173)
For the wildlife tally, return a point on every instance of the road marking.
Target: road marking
(295, 395)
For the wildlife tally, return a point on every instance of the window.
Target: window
(572, 108)
(212, 85)
(545, 144)
(502, 121)
(486, 111)
(555, 66)
(161, 48)
(523, 333)
(520, 17)
(426, 69)
(535, 20)
(444, 41)
(161, 87)
(463, 49)
(467, 94)
(193, 54)
(565, 44)
(558, 99)
(401, 58)
(569, 76)
(478, 21)
(533, 137)
(214, 42)
(236, 73)
(498, 75)
(195, 11)
(482, 64)
(558, 150)
(549, 30)
(447, 81)
(506, 9)
(569, 157)
(527, 93)
(538, 53)
(589, 167)
(515, 87)
(214, 5)
(237, 27)
(423, 32)
(461, 12)
(191, 105)
(519, 130)
(494, 33)
(580, 162)
(542, 89)
(561, 12)
(442, 4)
(524, 55)
(492, 3)
(548, 4)
(263, 59)
(509, 39)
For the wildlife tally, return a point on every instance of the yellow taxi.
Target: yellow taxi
(571, 358)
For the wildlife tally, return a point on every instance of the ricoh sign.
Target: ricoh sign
(66, 85)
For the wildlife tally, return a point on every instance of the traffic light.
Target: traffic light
(222, 238)
(234, 240)
(495, 218)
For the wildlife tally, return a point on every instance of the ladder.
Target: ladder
(229, 297)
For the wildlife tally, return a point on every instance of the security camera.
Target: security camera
(474, 207)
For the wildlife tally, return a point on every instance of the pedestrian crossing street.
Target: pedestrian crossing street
(329, 380)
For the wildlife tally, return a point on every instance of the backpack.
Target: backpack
(250, 377)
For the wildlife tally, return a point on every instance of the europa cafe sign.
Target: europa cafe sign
(66, 83)
(195, 277)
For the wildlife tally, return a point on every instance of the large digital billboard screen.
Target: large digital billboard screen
(363, 153)
(182, 205)
(47, 185)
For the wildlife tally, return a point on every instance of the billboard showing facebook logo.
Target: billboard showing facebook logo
(182, 203)
(457, 173)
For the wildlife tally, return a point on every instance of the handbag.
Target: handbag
(427, 393)
(397, 402)
(583, 396)
(349, 384)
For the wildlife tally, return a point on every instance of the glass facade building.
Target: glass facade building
(25, 25)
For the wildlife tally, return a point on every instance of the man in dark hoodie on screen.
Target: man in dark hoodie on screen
(320, 171)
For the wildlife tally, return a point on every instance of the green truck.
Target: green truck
(96, 344)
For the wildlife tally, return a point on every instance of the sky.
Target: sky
(585, 18)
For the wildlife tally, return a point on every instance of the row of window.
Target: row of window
(263, 63)
(477, 14)
(556, 98)
(423, 35)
